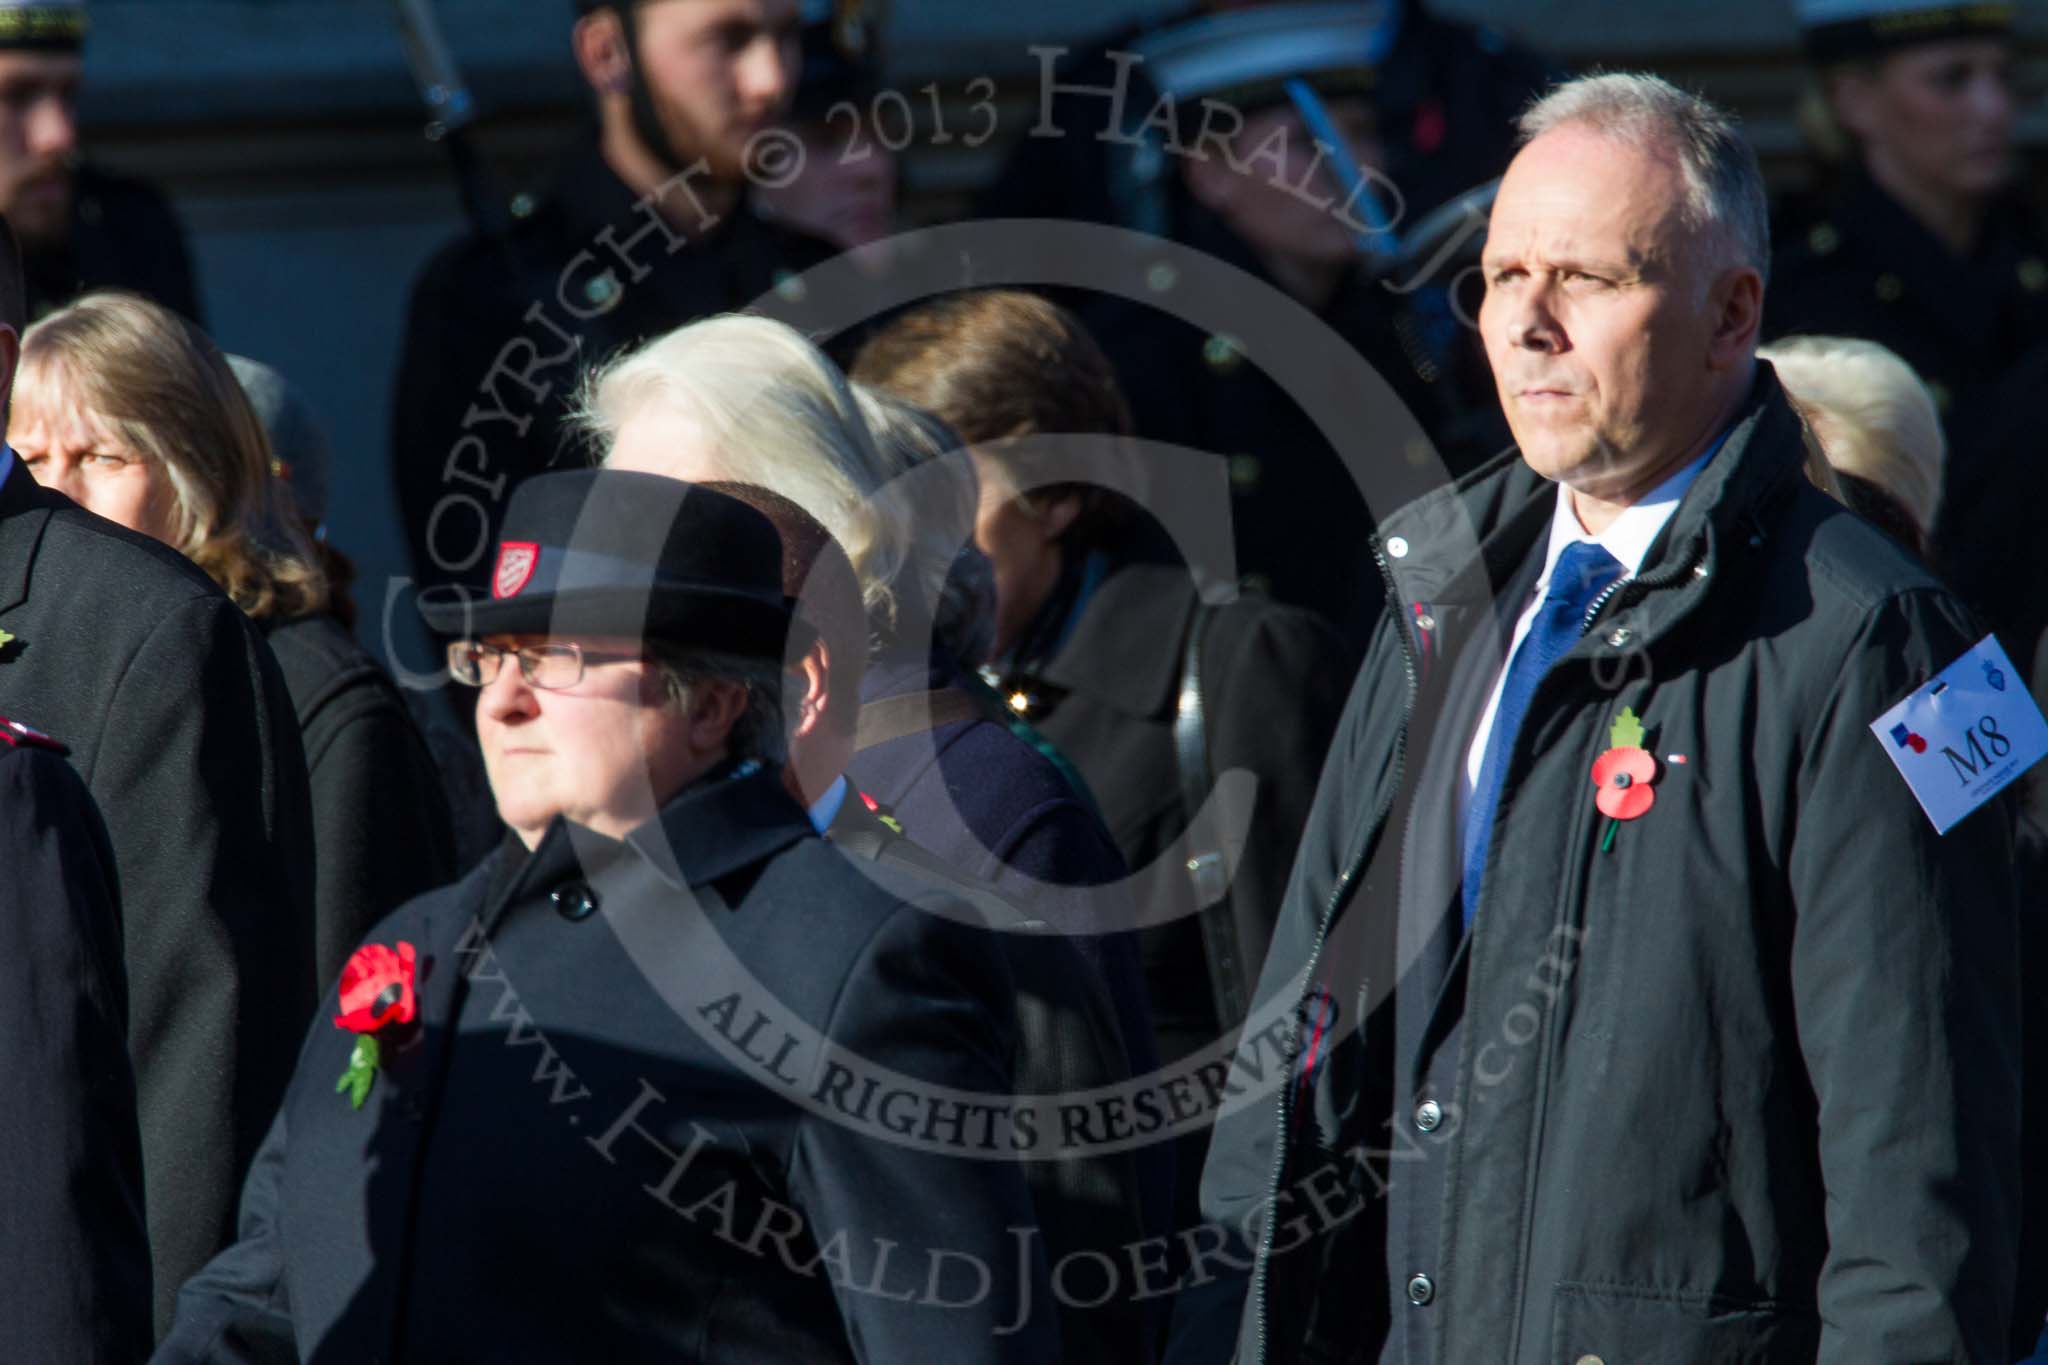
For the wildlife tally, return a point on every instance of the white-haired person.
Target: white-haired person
(1876, 424)
(782, 416)
(1644, 1015)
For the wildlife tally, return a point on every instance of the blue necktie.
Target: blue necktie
(1583, 572)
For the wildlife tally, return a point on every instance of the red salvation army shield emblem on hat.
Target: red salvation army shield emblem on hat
(517, 560)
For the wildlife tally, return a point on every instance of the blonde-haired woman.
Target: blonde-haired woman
(131, 411)
(1876, 423)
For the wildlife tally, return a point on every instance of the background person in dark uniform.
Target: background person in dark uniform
(500, 329)
(1933, 248)
(1420, 105)
(182, 729)
(80, 228)
(663, 1192)
(1096, 631)
(73, 1251)
(843, 195)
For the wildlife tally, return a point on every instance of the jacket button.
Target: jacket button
(574, 901)
(1429, 1116)
(1421, 1289)
(1589, 1360)
(1398, 547)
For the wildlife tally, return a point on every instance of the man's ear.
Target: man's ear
(1737, 301)
(602, 53)
(815, 668)
(716, 705)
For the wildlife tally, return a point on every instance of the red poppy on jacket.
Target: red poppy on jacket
(377, 988)
(1623, 777)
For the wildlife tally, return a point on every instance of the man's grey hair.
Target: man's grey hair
(1724, 184)
(761, 732)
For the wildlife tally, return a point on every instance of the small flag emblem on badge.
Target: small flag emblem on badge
(1906, 739)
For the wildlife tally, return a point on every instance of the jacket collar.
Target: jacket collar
(1115, 653)
(721, 825)
(1463, 544)
(712, 829)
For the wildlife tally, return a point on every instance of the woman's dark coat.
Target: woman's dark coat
(381, 831)
(597, 1143)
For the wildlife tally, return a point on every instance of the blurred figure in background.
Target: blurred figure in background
(1103, 638)
(635, 237)
(80, 228)
(1931, 247)
(845, 191)
(299, 454)
(1303, 145)
(132, 412)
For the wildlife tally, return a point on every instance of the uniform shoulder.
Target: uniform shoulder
(1853, 566)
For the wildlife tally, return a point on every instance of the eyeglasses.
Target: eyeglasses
(551, 667)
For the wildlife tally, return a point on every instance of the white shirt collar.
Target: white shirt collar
(826, 808)
(1629, 536)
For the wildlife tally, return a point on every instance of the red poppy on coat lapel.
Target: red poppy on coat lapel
(1624, 777)
(377, 988)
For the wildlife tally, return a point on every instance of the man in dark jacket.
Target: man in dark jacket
(73, 1250)
(676, 1181)
(1068, 1043)
(646, 228)
(180, 725)
(1716, 1059)
(80, 227)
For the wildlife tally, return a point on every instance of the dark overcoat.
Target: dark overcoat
(381, 828)
(688, 1097)
(1088, 1201)
(1272, 680)
(1740, 1084)
(74, 1255)
(180, 725)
